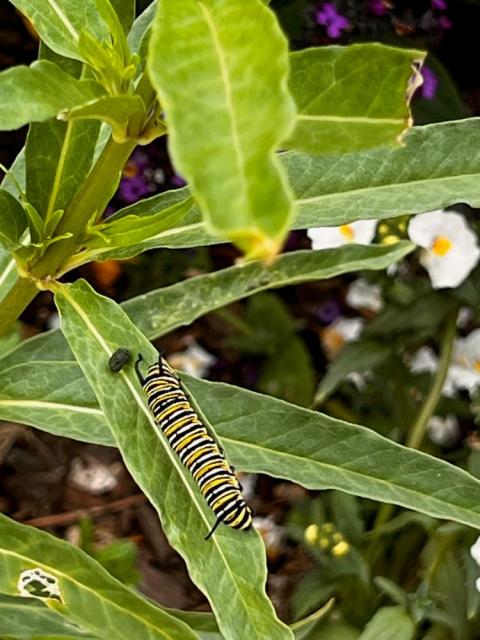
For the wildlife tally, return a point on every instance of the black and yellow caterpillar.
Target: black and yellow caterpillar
(196, 449)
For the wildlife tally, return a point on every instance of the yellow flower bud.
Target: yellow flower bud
(311, 533)
(341, 549)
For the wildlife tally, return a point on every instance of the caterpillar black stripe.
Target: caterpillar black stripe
(190, 440)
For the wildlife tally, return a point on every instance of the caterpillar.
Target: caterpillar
(197, 450)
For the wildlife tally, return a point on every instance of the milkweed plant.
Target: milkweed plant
(267, 140)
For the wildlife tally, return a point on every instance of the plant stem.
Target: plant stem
(92, 197)
(417, 431)
(19, 297)
(419, 427)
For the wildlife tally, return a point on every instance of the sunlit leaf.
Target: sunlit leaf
(95, 327)
(39, 92)
(231, 60)
(88, 595)
(352, 98)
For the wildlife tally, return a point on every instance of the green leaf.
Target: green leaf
(57, 156)
(124, 237)
(89, 596)
(126, 12)
(46, 402)
(352, 98)
(13, 220)
(390, 623)
(39, 92)
(231, 60)
(114, 110)
(256, 432)
(94, 327)
(429, 172)
(355, 356)
(26, 618)
(140, 32)
(8, 272)
(326, 453)
(59, 22)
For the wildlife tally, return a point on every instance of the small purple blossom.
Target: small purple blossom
(132, 189)
(441, 5)
(333, 21)
(328, 312)
(444, 23)
(377, 7)
(429, 87)
(178, 181)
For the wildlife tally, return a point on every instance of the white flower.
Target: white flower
(194, 360)
(451, 248)
(359, 232)
(475, 551)
(443, 431)
(424, 361)
(338, 333)
(465, 368)
(362, 294)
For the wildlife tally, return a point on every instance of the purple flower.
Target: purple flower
(334, 22)
(178, 181)
(377, 7)
(441, 5)
(429, 87)
(132, 189)
(444, 22)
(328, 312)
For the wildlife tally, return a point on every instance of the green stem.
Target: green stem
(92, 197)
(16, 300)
(417, 431)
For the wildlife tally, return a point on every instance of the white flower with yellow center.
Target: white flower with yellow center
(359, 232)
(451, 248)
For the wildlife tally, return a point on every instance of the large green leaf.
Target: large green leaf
(231, 562)
(39, 92)
(431, 171)
(26, 618)
(231, 60)
(57, 156)
(266, 435)
(353, 97)
(45, 401)
(59, 22)
(428, 173)
(139, 34)
(89, 595)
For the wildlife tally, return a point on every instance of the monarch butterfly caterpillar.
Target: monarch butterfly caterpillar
(190, 440)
